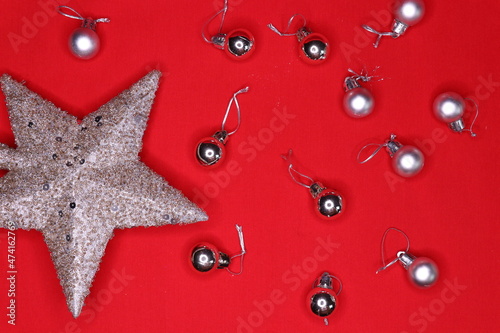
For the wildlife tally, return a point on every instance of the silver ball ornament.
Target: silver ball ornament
(329, 203)
(315, 49)
(358, 102)
(423, 272)
(205, 257)
(84, 43)
(408, 161)
(322, 304)
(209, 151)
(449, 107)
(239, 45)
(409, 12)
(322, 299)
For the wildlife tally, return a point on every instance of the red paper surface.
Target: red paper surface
(145, 282)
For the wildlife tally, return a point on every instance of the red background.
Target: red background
(449, 210)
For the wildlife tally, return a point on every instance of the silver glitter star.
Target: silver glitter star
(77, 182)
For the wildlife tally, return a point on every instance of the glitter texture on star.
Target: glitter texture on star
(78, 181)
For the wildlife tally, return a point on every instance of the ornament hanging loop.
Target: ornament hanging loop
(218, 39)
(391, 144)
(380, 34)
(239, 229)
(379, 147)
(363, 75)
(290, 21)
(294, 172)
(88, 23)
(382, 252)
(237, 105)
(475, 117)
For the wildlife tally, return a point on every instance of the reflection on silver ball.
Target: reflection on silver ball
(358, 102)
(203, 259)
(239, 45)
(410, 12)
(408, 161)
(208, 153)
(315, 50)
(322, 304)
(330, 204)
(423, 272)
(84, 43)
(449, 107)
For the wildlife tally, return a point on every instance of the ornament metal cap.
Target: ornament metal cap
(405, 258)
(392, 145)
(322, 299)
(398, 28)
(219, 40)
(302, 33)
(221, 136)
(350, 83)
(422, 272)
(316, 189)
(458, 126)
